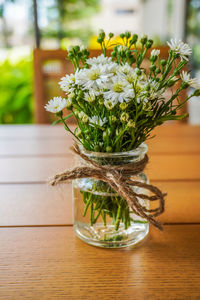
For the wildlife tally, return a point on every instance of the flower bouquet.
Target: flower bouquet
(116, 103)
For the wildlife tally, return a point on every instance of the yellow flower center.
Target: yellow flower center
(130, 78)
(95, 74)
(118, 87)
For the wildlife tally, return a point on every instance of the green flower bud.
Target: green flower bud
(134, 39)
(184, 85)
(108, 149)
(76, 48)
(158, 71)
(124, 117)
(109, 104)
(123, 105)
(122, 35)
(163, 62)
(85, 52)
(70, 55)
(99, 40)
(138, 72)
(127, 34)
(102, 33)
(143, 39)
(83, 117)
(78, 133)
(152, 68)
(113, 119)
(101, 101)
(147, 87)
(131, 124)
(111, 35)
(197, 93)
(149, 44)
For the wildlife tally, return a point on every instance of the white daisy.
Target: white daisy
(127, 73)
(56, 104)
(112, 68)
(125, 69)
(193, 82)
(109, 104)
(155, 52)
(90, 96)
(99, 60)
(179, 47)
(83, 117)
(121, 48)
(93, 78)
(67, 83)
(95, 120)
(119, 91)
(152, 93)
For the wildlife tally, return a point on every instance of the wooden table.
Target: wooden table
(40, 258)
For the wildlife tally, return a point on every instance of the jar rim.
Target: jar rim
(141, 149)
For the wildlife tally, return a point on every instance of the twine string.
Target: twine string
(119, 179)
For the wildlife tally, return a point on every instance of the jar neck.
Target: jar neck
(117, 158)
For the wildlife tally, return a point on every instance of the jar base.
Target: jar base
(107, 237)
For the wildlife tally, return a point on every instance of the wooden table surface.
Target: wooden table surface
(40, 257)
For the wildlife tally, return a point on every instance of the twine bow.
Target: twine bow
(119, 179)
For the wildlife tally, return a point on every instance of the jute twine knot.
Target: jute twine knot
(119, 179)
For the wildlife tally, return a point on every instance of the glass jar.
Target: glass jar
(101, 217)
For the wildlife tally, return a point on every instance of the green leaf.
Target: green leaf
(55, 122)
(69, 116)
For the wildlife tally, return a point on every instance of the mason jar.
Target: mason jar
(102, 217)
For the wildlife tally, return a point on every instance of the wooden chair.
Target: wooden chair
(50, 66)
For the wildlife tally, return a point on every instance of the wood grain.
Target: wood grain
(60, 146)
(39, 169)
(35, 205)
(40, 204)
(31, 132)
(51, 263)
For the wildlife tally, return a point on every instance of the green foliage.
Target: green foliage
(62, 16)
(193, 31)
(16, 97)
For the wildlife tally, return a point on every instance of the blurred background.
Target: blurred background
(49, 25)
